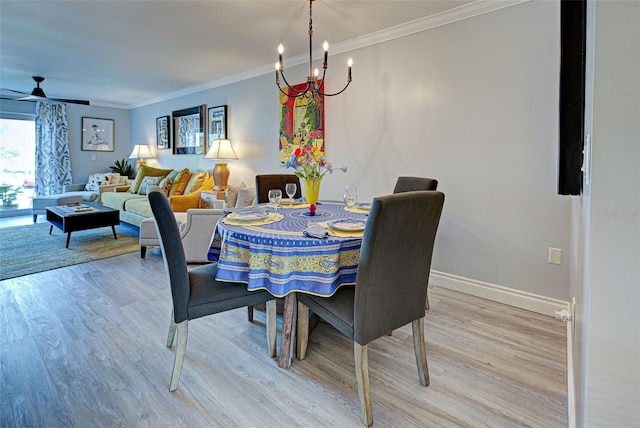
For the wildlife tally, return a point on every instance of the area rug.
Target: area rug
(30, 249)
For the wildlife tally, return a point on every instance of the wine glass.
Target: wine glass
(275, 195)
(291, 188)
(350, 197)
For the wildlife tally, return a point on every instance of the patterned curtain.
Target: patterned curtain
(53, 163)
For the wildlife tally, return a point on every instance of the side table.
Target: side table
(211, 198)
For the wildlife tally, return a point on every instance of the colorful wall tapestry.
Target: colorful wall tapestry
(301, 121)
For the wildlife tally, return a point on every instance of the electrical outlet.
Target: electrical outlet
(555, 256)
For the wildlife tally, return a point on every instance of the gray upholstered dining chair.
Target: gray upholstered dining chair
(195, 292)
(266, 182)
(393, 272)
(411, 184)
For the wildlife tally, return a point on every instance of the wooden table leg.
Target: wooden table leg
(68, 238)
(114, 232)
(288, 337)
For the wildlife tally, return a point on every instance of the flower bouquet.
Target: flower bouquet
(311, 166)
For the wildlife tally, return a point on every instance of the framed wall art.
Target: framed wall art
(301, 122)
(97, 134)
(217, 121)
(189, 131)
(163, 132)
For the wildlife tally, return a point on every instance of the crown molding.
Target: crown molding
(460, 13)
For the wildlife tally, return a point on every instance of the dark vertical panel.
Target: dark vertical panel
(573, 18)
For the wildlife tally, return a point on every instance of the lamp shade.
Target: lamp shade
(221, 149)
(140, 151)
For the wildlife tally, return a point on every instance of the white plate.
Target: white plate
(248, 215)
(347, 225)
(364, 207)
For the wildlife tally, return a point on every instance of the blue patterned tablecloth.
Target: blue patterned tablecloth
(279, 258)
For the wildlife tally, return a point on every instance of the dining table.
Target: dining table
(267, 248)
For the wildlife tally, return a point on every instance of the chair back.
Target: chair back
(175, 262)
(395, 260)
(412, 184)
(266, 182)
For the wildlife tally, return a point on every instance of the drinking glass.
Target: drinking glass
(350, 197)
(275, 195)
(291, 188)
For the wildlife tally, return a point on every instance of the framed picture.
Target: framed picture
(189, 131)
(301, 121)
(97, 134)
(163, 132)
(217, 120)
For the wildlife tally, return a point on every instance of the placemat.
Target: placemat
(270, 218)
(340, 233)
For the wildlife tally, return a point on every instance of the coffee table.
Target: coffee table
(68, 220)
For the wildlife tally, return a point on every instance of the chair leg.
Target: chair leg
(172, 331)
(143, 252)
(181, 350)
(426, 304)
(302, 332)
(250, 313)
(417, 326)
(362, 378)
(271, 327)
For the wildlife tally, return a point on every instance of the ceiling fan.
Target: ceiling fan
(38, 95)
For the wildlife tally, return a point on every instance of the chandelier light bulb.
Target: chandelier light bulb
(277, 65)
(316, 72)
(349, 62)
(280, 49)
(325, 46)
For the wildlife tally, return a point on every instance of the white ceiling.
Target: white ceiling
(127, 52)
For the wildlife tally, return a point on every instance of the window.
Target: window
(17, 162)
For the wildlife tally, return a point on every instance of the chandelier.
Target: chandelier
(312, 85)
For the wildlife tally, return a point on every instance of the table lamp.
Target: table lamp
(221, 150)
(140, 151)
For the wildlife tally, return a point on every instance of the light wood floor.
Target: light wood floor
(84, 346)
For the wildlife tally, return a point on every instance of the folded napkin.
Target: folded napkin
(315, 231)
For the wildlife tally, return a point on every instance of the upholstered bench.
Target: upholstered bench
(40, 203)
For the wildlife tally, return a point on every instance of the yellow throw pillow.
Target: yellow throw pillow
(146, 171)
(195, 181)
(180, 182)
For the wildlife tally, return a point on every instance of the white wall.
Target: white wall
(608, 349)
(473, 104)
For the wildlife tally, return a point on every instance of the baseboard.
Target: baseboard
(509, 296)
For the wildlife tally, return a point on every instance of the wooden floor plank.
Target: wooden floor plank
(85, 346)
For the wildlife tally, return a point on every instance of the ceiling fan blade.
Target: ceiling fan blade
(33, 98)
(14, 91)
(63, 100)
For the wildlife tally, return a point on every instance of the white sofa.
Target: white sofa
(95, 195)
(197, 225)
(196, 231)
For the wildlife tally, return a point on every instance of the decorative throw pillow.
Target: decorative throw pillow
(147, 171)
(96, 180)
(180, 182)
(246, 196)
(195, 181)
(166, 184)
(231, 197)
(147, 182)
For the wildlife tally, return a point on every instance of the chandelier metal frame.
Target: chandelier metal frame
(312, 79)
